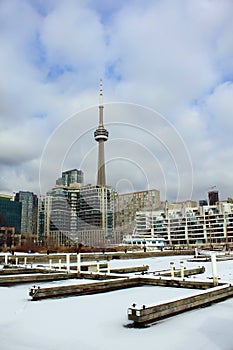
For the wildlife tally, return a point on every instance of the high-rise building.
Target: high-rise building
(10, 222)
(10, 213)
(54, 217)
(76, 214)
(213, 197)
(72, 176)
(101, 135)
(129, 203)
(29, 203)
(95, 213)
(43, 225)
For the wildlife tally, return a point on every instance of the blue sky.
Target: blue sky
(172, 57)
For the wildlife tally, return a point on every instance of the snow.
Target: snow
(96, 322)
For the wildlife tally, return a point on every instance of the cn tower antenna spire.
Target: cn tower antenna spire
(101, 107)
(101, 92)
(101, 135)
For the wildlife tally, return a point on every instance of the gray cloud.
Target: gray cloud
(173, 57)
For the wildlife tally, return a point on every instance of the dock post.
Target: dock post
(25, 261)
(98, 267)
(196, 252)
(78, 262)
(6, 259)
(50, 264)
(182, 269)
(214, 269)
(68, 262)
(59, 264)
(172, 270)
(108, 266)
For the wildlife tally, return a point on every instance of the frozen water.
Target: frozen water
(95, 322)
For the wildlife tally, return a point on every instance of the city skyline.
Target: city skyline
(176, 62)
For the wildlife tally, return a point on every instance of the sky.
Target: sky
(167, 73)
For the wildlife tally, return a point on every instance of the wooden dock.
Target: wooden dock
(177, 273)
(35, 277)
(19, 275)
(131, 269)
(121, 270)
(38, 293)
(114, 282)
(25, 270)
(146, 315)
(86, 257)
(163, 281)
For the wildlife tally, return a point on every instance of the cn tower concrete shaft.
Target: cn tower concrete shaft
(101, 135)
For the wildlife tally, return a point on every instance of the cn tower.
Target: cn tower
(101, 135)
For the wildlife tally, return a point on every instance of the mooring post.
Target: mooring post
(182, 269)
(97, 267)
(172, 270)
(59, 264)
(196, 252)
(78, 262)
(108, 266)
(50, 264)
(68, 262)
(25, 261)
(6, 259)
(214, 269)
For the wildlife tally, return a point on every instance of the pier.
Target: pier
(11, 280)
(38, 293)
(177, 273)
(145, 315)
(113, 282)
(86, 257)
(101, 278)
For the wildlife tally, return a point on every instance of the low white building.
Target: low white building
(206, 225)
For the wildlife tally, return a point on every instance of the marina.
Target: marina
(116, 294)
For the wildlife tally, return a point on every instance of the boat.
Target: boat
(150, 243)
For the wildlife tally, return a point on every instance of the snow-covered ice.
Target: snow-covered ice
(95, 322)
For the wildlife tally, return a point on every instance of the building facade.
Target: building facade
(96, 220)
(54, 218)
(8, 237)
(10, 222)
(10, 213)
(76, 214)
(127, 205)
(213, 197)
(29, 202)
(70, 177)
(203, 225)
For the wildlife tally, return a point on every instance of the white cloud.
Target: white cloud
(174, 57)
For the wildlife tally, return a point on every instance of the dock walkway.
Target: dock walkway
(146, 315)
